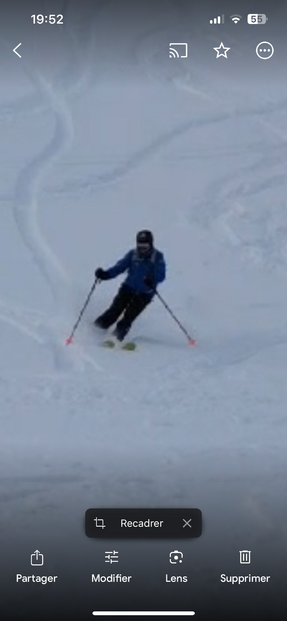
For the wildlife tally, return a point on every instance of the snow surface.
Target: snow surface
(86, 161)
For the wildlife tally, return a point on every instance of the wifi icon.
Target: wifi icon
(236, 18)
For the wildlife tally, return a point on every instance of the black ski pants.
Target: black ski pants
(128, 303)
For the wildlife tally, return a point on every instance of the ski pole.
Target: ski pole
(191, 341)
(69, 340)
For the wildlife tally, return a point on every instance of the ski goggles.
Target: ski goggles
(143, 245)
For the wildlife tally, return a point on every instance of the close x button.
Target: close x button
(143, 523)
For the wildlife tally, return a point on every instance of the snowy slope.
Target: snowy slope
(84, 165)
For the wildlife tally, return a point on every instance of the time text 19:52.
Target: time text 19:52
(47, 19)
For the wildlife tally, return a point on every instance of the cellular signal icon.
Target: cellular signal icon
(235, 18)
(217, 20)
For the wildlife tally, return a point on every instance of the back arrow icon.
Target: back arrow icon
(16, 48)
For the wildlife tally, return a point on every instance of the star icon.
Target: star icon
(221, 51)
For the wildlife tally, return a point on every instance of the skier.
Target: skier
(145, 267)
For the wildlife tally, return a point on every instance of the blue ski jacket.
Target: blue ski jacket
(137, 268)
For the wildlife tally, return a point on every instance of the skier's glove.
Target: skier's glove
(149, 282)
(100, 273)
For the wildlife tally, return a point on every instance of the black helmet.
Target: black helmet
(145, 237)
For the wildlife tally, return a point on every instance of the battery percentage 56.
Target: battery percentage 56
(257, 18)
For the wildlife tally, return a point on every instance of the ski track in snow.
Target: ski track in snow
(151, 150)
(48, 97)
(25, 214)
(222, 206)
(27, 189)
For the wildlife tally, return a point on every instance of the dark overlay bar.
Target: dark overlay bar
(143, 523)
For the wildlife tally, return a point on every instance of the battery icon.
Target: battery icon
(256, 18)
